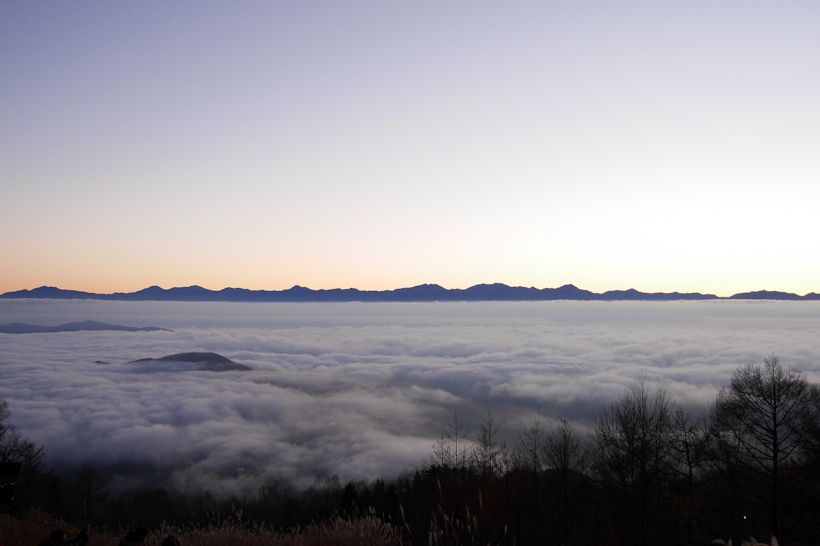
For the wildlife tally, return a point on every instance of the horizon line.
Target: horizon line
(499, 285)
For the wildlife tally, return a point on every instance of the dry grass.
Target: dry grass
(751, 541)
(363, 531)
(37, 526)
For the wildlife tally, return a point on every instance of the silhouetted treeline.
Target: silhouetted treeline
(645, 473)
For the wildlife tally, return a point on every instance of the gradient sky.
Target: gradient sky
(655, 145)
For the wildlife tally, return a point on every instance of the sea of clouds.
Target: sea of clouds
(357, 390)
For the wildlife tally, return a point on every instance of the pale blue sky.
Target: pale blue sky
(615, 144)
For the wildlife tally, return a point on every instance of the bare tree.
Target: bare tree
(489, 455)
(442, 456)
(563, 448)
(528, 457)
(564, 452)
(450, 450)
(769, 413)
(688, 447)
(688, 453)
(14, 446)
(633, 438)
(531, 443)
(17, 448)
(89, 490)
(7, 432)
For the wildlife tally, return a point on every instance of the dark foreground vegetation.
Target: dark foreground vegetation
(646, 473)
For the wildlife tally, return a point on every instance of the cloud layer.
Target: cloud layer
(357, 390)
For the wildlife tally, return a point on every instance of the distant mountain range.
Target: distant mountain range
(23, 328)
(423, 292)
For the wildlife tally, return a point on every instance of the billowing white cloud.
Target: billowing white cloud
(358, 390)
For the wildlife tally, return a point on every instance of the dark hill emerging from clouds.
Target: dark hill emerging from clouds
(180, 362)
(423, 292)
(83, 326)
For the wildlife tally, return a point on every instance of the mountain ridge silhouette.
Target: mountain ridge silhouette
(79, 326)
(418, 293)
